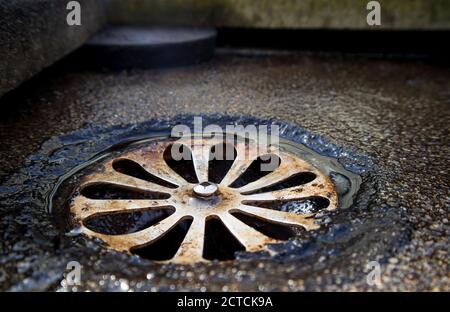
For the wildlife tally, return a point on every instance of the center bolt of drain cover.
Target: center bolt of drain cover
(205, 189)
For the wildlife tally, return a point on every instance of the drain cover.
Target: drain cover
(125, 47)
(208, 187)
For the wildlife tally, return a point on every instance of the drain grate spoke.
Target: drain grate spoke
(221, 159)
(113, 177)
(319, 187)
(131, 168)
(282, 217)
(282, 173)
(245, 156)
(85, 207)
(149, 178)
(200, 159)
(250, 238)
(180, 160)
(152, 160)
(191, 249)
(138, 239)
(126, 222)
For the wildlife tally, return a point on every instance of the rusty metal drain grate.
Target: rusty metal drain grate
(200, 196)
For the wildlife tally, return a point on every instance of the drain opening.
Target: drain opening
(243, 208)
(294, 180)
(254, 171)
(126, 222)
(219, 243)
(304, 206)
(183, 166)
(114, 191)
(221, 159)
(167, 246)
(270, 229)
(133, 169)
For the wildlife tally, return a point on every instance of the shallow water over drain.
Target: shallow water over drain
(136, 198)
(368, 229)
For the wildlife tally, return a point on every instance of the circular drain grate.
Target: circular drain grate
(208, 195)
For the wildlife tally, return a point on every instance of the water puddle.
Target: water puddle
(34, 200)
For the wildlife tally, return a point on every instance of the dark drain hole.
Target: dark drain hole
(307, 205)
(114, 191)
(126, 222)
(294, 180)
(219, 243)
(221, 158)
(133, 169)
(183, 164)
(274, 230)
(254, 171)
(167, 246)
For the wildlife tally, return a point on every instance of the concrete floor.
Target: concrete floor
(395, 111)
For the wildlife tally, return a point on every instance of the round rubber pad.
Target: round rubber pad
(148, 47)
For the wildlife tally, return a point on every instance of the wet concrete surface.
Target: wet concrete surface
(394, 112)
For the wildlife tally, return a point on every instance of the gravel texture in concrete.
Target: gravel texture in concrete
(395, 113)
